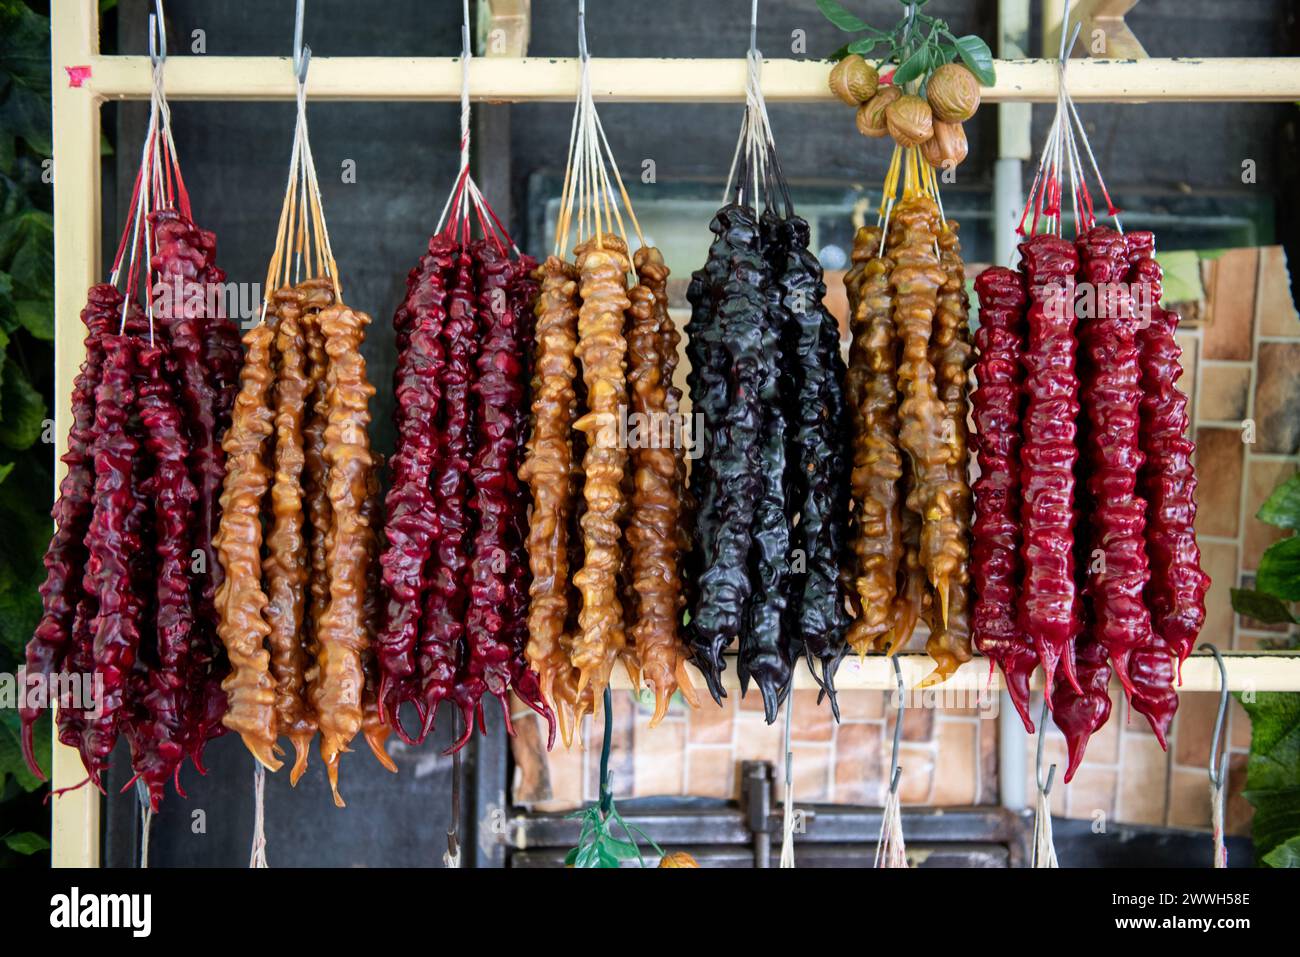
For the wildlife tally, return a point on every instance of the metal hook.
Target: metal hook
(465, 50)
(301, 54)
(582, 30)
(157, 36)
(753, 28)
(895, 771)
(1044, 789)
(1218, 757)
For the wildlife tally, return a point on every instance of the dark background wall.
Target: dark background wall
(1161, 158)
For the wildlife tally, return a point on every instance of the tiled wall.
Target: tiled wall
(1241, 355)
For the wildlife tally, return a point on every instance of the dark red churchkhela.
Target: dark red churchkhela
(1047, 610)
(1176, 591)
(65, 558)
(1110, 393)
(412, 526)
(995, 553)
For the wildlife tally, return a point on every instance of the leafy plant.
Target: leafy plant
(1273, 770)
(918, 44)
(26, 386)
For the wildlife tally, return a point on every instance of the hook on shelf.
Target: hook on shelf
(1044, 787)
(157, 36)
(1218, 755)
(895, 772)
(301, 53)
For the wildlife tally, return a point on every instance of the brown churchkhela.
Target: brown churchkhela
(602, 266)
(652, 528)
(872, 397)
(297, 627)
(341, 637)
(241, 601)
(548, 470)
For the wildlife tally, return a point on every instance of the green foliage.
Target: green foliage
(1273, 771)
(26, 361)
(918, 44)
(1273, 777)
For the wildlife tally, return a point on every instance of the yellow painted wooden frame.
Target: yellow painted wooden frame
(83, 80)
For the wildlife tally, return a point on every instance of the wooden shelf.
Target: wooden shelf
(549, 79)
(1247, 671)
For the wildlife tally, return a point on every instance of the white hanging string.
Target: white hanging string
(257, 856)
(594, 197)
(1044, 852)
(891, 851)
(788, 817)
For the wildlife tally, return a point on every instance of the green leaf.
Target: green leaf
(1286, 854)
(604, 857)
(912, 68)
(5, 470)
(1268, 609)
(1273, 769)
(11, 753)
(36, 316)
(570, 857)
(622, 850)
(27, 253)
(26, 114)
(589, 856)
(25, 528)
(22, 409)
(1279, 570)
(863, 47)
(975, 53)
(1283, 506)
(26, 843)
(836, 14)
(8, 151)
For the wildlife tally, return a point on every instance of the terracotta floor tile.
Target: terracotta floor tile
(1142, 780)
(1219, 561)
(1274, 308)
(564, 770)
(1231, 333)
(1195, 722)
(916, 784)
(711, 724)
(1092, 792)
(1220, 454)
(1239, 812)
(957, 780)
(531, 776)
(1189, 800)
(813, 768)
(859, 768)
(862, 705)
(1103, 747)
(918, 724)
(710, 772)
(1225, 391)
(1190, 345)
(660, 764)
(810, 721)
(1277, 396)
(757, 741)
(1262, 477)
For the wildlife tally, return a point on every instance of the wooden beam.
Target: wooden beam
(1247, 671)
(75, 42)
(671, 81)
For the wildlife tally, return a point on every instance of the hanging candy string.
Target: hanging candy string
(1061, 160)
(302, 237)
(465, 197)
(588, 187)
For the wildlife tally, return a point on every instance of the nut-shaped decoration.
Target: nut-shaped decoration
(910, 120)
(953, 92)
(854, 80)
(871, 114)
